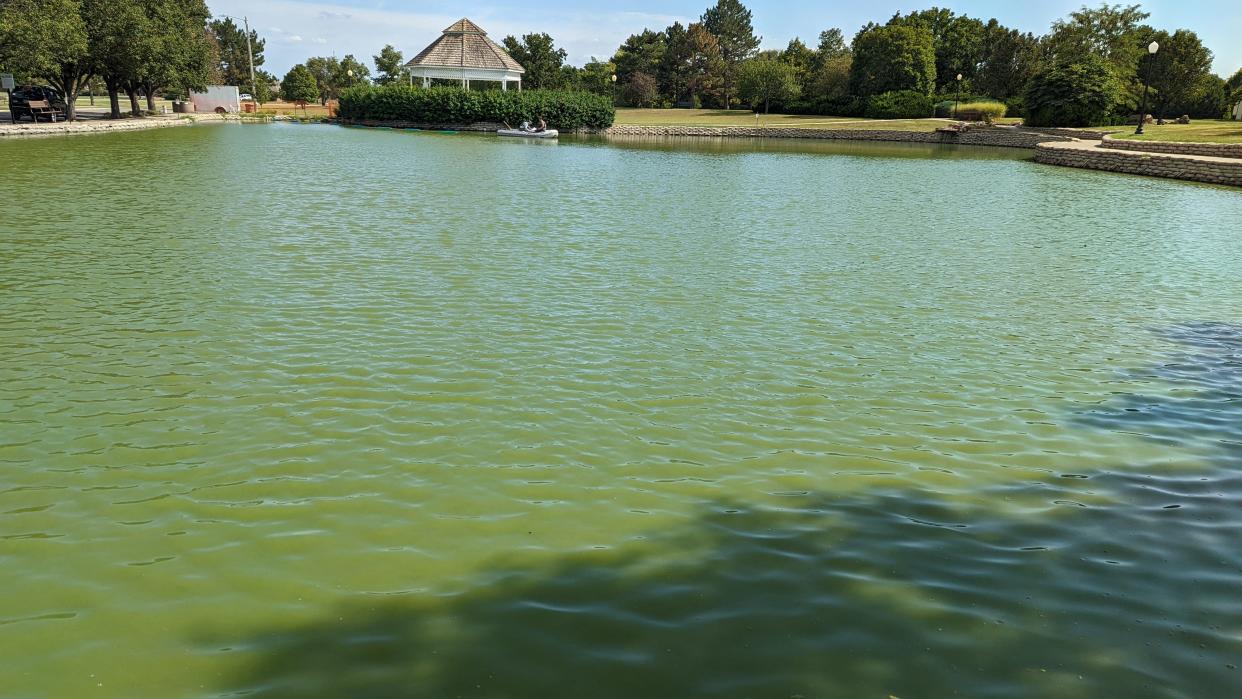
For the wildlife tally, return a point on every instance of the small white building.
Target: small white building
(1237, 111)
(464, 53)
(216, 98)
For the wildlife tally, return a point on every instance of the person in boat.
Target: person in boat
(543, 126)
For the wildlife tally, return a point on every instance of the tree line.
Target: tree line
(915, 57)
(127, 47)
(1090, 67)
(131, 46)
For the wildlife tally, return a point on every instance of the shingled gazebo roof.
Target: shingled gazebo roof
(465, 45)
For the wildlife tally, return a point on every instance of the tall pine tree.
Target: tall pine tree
(730, 22)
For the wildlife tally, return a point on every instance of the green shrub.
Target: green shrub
(453, 105)
(1073, 94)
(1017, 106)
(902, 104)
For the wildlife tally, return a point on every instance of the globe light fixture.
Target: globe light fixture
(958, 99)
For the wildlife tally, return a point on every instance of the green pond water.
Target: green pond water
(295, 411)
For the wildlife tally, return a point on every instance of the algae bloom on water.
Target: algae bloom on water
(340, 413)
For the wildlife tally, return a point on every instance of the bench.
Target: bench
(38, 108)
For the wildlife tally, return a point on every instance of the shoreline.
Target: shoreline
(988, 136)
(97, 126)
(1074, 148)
(1083, 149)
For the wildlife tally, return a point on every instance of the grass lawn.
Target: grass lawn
(1218, 131)
(312, 110)
(716, 117)
(101, 102)
(738, 117)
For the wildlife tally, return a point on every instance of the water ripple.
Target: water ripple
(699, 419)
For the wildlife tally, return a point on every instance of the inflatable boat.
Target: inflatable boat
(518, 133)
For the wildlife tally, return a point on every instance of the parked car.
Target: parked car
(19, 101)
(245, 97)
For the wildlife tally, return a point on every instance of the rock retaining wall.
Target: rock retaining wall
(1213, 150)
(92, 126)
(999, 136)
(1084, 134)
(1181, 167)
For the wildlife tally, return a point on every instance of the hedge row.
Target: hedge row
(453, 105)
(903, 104)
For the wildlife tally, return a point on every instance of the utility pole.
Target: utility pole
(254, 87)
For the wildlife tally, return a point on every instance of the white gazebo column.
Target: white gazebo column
(504, 85)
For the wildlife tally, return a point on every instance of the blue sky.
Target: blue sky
(297, 29)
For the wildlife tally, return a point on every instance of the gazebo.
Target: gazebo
(465, 53)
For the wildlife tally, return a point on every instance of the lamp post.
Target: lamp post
(1152, 48)
(613, 79)
(958, 99)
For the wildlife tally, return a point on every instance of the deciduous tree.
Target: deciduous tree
(1009, 59)
(1082, 93)
(893, 58)
(763, 81)
(177, 52)
(596, 77)
(299, 85)
(802, 59)
(641, 90)
(47, 39)
(388, 64)
(1108, 31)
(958, 41)
(1177, 70)
(118, 34)
(1235, 82)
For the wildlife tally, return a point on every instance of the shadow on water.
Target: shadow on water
(1196, 397)
(1027, 591)
(1117, 583)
